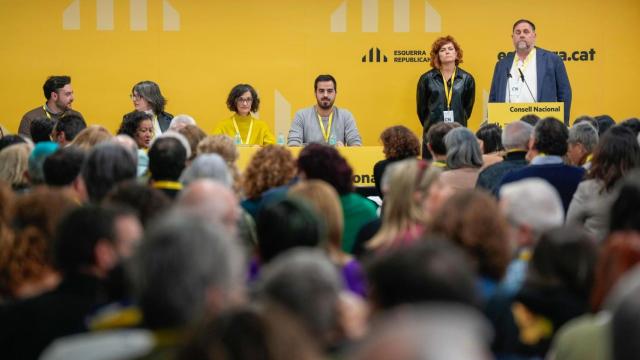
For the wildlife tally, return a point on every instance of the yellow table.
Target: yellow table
(361, 159)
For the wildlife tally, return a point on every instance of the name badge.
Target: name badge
(448, 116)
(514, 90)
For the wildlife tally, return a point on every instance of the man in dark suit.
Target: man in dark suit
(535, 75)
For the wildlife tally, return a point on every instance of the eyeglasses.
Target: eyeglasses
(245, 100)
(135, 97)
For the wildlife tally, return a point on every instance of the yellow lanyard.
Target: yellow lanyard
(439, 164)
(325, 132)
(448, 91)
(44, 107)
(526, 61)
(168, 185)
(235, 125)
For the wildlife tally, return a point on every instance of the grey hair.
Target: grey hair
(180, 121)
(127, 142)
(433, 331)
(463, 149)
(179, 261)
(306, 283)
(585, 134)
(533, 202)
(150, 91)
(209, 166)
(516, 135)
(176, 135)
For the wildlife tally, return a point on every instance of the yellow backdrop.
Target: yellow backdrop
(197, 50)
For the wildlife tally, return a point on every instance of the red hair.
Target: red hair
(440, 42)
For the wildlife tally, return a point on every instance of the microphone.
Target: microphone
(509, 85)
(525, 82)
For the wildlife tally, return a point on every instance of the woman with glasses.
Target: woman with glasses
(146, 97)
(242, 126)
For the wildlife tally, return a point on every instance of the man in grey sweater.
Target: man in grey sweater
(323, 122)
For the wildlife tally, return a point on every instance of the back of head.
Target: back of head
(270, 167)
(531, 119)
(324, 162)
(286, 224)
(207, 166)
(616, 154)
(194, 135)
(14, 165)
(586, 119)
(222, 145)
(148, 202)
(436, 134)
(625, 213)
(305, 283)
(63, 167)
(181, 120)
(533, 203)
(182, 264)
(399, 142)
(432, 271)
(550, 137)
(40, 130)
(91, 136)
(632, 124)
(212, 201)
(490, 134)
(107, 165)
(39, 154)
(8, 140)
(604, 123)
(167, 159)
(463, 149)
(585, 134)
(516, 135)
(71, 125)
(78, 234)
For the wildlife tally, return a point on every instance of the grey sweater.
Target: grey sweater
(305, 128)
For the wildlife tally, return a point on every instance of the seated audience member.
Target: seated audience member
(14, 166)
(147, 97)
(398, 143)
(223, 145)
(106, 166)
(91, 136)
(270, 167)
(180, 121)
(632, 124)
(604, 123)
(435, 143)
(515, 139)
(142, 159)
(67, 128)
(207, 166)
(472, 220)
(531, 119)
(8, 140)
(548, 145)
(464, 159)
(40, 153)
(325, 201)
(243, 126)
(194, 135)
(185, 270)
(586, 119)
(147, 202)
(625, 323)
(26, 266)
(304, 283)
(556, 289)
(41, 130)
(583, 138)
(317, 161)
(86, 248)
(615, 155)
(490, 136)
(432, 331)
(62, 170)
(139, 126)
(324, 123)
(167, 160)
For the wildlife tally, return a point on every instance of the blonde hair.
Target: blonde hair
(224, 146)
(91, 136)
(14, 165)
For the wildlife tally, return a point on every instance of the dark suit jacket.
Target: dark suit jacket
(552, 79)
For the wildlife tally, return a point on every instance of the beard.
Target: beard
(63, 106)
(522, 45)
(325, 104)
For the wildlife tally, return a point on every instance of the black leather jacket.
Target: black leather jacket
(431, 100)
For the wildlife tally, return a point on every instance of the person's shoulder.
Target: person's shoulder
(429, 74)
(542, 53)
(305, 112)
(36, 112)
(343, 112)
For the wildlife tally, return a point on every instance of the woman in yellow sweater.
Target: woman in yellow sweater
(242, 125)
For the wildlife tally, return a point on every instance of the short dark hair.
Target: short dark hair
(633, 124)
(435, 136)
(433, 270)
(588, 119)
(41, 130)
(604, 123)
(71, 125)
(147, 201)
(533, 26)
(285, 224)
(325, 77)
(131, 121)
(319, 161)
(54, 83)
(491, 136)
(531, 119)
(9, 140)
(150, 91)
(63, 166)
(107, 165)
(237, 92)
(167, 159)
(78, 234)
(550, 137)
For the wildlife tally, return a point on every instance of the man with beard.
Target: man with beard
(534, 75)
(323, 122)
(59, 94)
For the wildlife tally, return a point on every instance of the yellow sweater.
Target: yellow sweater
(260, 134)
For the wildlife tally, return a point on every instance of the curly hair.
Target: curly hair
(551, 137)
(399, 143)
(472, 219)
(435, 48)
(27, 256)
(237, 92)
(270, 167)
(131, 121)
(318, 161)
